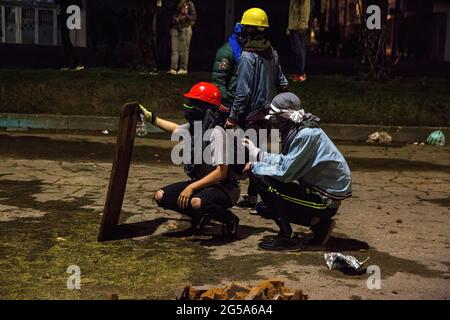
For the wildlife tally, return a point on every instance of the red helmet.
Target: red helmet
(205, 91)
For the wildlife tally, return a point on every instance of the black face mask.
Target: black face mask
(193, 115)
(279, 123)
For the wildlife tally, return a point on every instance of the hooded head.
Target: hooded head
(236, 41)
(285, 110)
(286, 115)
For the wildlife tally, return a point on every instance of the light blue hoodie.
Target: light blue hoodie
(312, 159)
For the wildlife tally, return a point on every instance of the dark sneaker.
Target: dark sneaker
(230, 229)
(246, 204)
(322, 232)
(262, 210)
(282, 243)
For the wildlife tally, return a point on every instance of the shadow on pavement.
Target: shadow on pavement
(138, 229)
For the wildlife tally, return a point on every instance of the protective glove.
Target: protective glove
(148, 115)
(252, 149)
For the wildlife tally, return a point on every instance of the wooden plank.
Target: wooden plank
(119, 174)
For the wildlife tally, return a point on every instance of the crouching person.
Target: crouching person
(212, 189)
(306, 183)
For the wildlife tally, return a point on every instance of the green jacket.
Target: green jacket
(299, 11)
(224, 74)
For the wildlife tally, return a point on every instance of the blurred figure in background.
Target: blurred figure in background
(71, 60)
(162, 27)
(181, 34)
(145, 38)
(299, 12)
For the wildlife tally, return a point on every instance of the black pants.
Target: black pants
(298, 44)
(215, 203)
(291, 203)
(70, 56)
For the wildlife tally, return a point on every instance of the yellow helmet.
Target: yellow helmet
(255, 17)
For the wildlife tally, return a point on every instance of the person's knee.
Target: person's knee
(159, 195)
(196, 203)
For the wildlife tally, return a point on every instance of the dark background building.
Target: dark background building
(418, 31)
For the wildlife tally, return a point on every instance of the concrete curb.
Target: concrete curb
(350, 132)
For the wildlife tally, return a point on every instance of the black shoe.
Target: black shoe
(322, 232)
(203, 222)
(246, 204)
(282, 243)
(231, 229)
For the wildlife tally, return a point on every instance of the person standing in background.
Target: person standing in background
(259, 79)
(71, 60)
(224, 74)
(299, 12)
(145, 38)
(181, 34)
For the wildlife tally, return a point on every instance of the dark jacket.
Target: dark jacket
(259, 80)
(224, 74)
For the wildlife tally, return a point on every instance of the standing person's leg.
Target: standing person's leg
(70, 56)
(65, 41)
(295, 47)
(304, 45)
(298, 45)
(252, 192)
(174, 41)
(184, 51)
(302, 55)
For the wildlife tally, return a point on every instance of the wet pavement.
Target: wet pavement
(53, 188)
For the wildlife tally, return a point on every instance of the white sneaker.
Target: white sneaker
(77, 68)
(182, 72)
(172, 72)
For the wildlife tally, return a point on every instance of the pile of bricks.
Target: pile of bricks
(272, 289)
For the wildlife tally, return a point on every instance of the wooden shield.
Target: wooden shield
(119, 174)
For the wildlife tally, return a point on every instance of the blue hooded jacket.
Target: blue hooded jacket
(259, 81)
(312, 159)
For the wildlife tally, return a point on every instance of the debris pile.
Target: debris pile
(272, 289)
(381, 137)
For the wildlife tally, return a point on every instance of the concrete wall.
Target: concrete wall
(349, 132)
